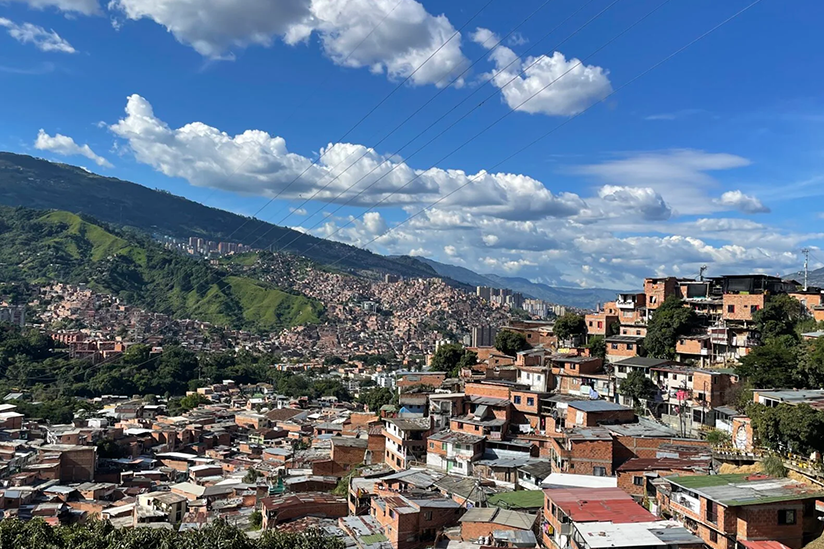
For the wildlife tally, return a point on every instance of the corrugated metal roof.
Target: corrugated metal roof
(598, 505)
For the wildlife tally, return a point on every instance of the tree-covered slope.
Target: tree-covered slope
(36, 183)
(60, 246)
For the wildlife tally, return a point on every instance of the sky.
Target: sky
(555, 140)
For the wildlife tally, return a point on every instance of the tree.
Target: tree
(779, 317)
(638, 387)
(450, 358)
(569, 325)
(811, 364)
(333, 360)
(670, 321)
(787, 428)
(716, 437)
(192, 401)
(773, 465)
(510, 343)
(251, 476)
(256, 519)
(597, 346)
(375, 398)
(773, 364)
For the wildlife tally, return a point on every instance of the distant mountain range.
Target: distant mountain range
(814, 278)
(583, 298)
(36, 183)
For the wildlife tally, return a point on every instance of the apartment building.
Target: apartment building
(726, 509)
(410, 520)
(406, 441)
(454, 452)
(689, 396)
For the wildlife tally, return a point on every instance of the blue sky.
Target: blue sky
(714, 157)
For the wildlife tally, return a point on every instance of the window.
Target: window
(614, 345)
(637, 332)
(622, 369)
(477, 427)
(530, 401)
(517, 399)
(730, 308)
(590, 324)
(432, 445)
(712, 511)
(754, 308)
(786, 516)
(599, 471)
(600, 324)
(638, 481)
(392, 513)
(713, 536)
(572, 366)
(630, 346)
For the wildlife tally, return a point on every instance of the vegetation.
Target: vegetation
(451, 358)
(251, 476)
(716, 437)
(569, 325)
(597, 346)
(373, 399)
(35, 183)
(786, 428)
(773, 465)
(638, 387)
(256, 519)
(37, 534)
(669, 322)
(65, 247)
(192, 401)
(510, 343)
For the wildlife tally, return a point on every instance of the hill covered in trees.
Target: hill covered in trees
(36, 183)
(40, 247)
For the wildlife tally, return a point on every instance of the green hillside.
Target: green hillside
(60, 246)
(39, 184)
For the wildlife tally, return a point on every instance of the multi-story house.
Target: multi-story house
(453, 452)
(690, 395)
(724, 510)
(411, 521)
(406, 441)
(601, 322)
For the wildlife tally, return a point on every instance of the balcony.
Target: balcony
(688, 502)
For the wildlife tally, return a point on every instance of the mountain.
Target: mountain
(814, 278)
(39, 184)
(582, 298)
(39, 247)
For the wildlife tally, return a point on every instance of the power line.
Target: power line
(454, 123)
(567, 121)
(498, 120)
(402, 123)
(364, 117)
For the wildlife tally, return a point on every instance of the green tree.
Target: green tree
(251, 476)
(716, 437)
(375, 398)
(787, 428)
(638, 387)
(597, 346)
(811, 364)
(669, 322)
(450, 358)
(779, 317)
(333, 360)
(510, 343)
(569, 325)
(192, 401)
(256, 519)
(773, 364)
(773, 465)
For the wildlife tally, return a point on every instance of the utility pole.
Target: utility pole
(701, 272)
(806, 252)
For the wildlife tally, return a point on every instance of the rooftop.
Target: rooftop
(739, 490)
(504, 517)
(598, 505)
(411, 424)
(642, 362)
(521, 499)
(597, 406)
(350, 442)
(453, 436)
(660, 533)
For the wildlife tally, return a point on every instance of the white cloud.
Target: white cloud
(643, 200)
(42, 39)
(84, 7)
(255, 162)
(65, 146)
(298, 211)
(387, 36)
(560, 87)
(451, 251)
(742, 202)
(680, 176)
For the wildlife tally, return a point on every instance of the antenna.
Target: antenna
(701, 272)
(806, 252)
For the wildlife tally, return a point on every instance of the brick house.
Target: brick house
(621, 346)
(589, 413)
(480, 522)
(599, 322)
(279, 509)
(636, 477)
(349, 451)
(583, 451)
(406, 441)
(657, 290)
(725, 509)
(412, 521)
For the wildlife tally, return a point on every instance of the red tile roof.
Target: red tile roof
(598, 505)
(763, 545)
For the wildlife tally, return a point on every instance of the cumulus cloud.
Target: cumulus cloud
(564, 87)
(744, 203)
(255, 162)
(42, 39)
(66, 146)
(643, 200)
(84, 7)
(385, 36)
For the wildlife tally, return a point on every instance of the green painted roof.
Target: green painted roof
(522, 499)
(743, 489)
(373, 538)
(704, 481)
